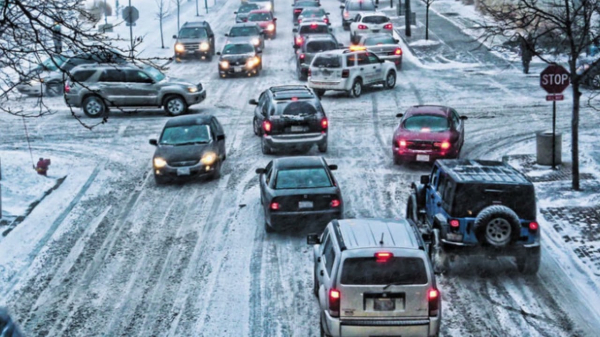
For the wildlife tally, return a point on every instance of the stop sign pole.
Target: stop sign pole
(554, 79)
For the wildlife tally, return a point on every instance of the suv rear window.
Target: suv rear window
(360, 6)
(469, 199)
(319, 46)
(314, 29)
(431, 122)
(298, 108)
(376, 19)
(312, 177)
(259, 17)
(371, 41)
(244, 31)
(327, 61)
(82, 75)
(192, 33)
(397, 270)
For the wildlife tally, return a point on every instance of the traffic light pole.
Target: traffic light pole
(554, 135)
(131, 34)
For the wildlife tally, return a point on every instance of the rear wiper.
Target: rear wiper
(393, 284)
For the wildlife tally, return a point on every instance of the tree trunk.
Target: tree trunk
(427, 21)
(162, 40)
(575, 125)
(178, 5)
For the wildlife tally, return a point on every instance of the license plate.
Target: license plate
(305, 204)
(238, 69)
(183, 171)
(384, 304)
(297, 128)
(375, 30)
(454, 236)
(422, 157)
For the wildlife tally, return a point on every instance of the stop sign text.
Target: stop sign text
(554, 79)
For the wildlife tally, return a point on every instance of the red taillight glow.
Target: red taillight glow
(445, 145)
(362, 27)
(309, 72)
(324, 123)
(398, 51)
(299, 20)
(302, 56)
(298, 41)
(335, 203)
(267, 126)
(433, 299)
(346, 15)
(388, 26)
(433, 294)
(383, 256)
(313, 26)
(297, 11)
(345, 73)
(274, 206)
(67, 88)
(326, 20)
(533, 226)
(454, 223)
(402, 143)
(334, 302)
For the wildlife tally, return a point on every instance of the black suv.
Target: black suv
(290, 116)
(312, 45)
(477, 207)
(195, 39)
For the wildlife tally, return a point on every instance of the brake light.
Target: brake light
(294, 99)
(309, 72)
(267, 126)
(445, 145)
(533, 226)
(383, 256)
(67, 88)
(398, 51)
(299, 20)
(345, 73)
(402, 143)
(454, 223)
(334, 302)
(388, 26)
(433, 298)
(313, 26)
(302, 56)
(346, 15)
(298, 41)
(335, 203)
(274, 206)
(324, 123)
(297, 11)
(326, 20)
(362, 27)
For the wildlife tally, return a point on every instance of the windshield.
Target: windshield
(319, 46)
(156, 74)
(327, 61)
(233, 49)
(314, 29)
(396, 270)
(243, 31)
(297, 108)
(426, 123)
(247, 8)
(371, 41)
(313, 12)
(313, 177)
(360, 6)
(185, 134)
(376, 19)
(51, 62)
(259, 17)
(192, 33)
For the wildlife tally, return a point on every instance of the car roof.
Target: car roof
(189, 120)
(368, 233)
(438, 110)
(260, 11)
(298, 162)
(320, 37)
(302, 3)
(286, 92)
(238, 40)
(195, 24)
(482, 171)
(246, 24)
(371, 13)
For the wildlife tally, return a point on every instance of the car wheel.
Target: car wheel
(94, 106)
(217, 171)
(596, 81)
(323, 334)
(175, 106)
(323, 147)
(438, 257)
(264, 147)
(315, 285)
(356, 88)
(160, 180)
(53, 89)
(497, 226)
(412, 211)
(390, 80)
(397, 160)
(209, 57)
(529, 262)
(256, 127)
(319, 92)
(300, 75)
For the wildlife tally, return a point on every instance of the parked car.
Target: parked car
(96, 88)
(373, 277)
(349, 71)
(316, 14)
(385, 46)
(240, 57)
(365, 24)
(265, 20)
(300, 192)
(351, 8)
(8, 326)
(308, 28)
(290, 117)
(264, 4)
(241, 15)
(250, 31)
(195, 39)
(189, 146)
(592, 78)
(477, 207)
(311, 46)
(299, 6)
(428, 132)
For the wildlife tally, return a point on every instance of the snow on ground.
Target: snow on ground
(422, 43)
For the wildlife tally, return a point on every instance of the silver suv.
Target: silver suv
(373, 277)
(96, 88)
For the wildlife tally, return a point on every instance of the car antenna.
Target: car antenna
(381, 242)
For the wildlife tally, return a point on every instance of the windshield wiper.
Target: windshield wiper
(190, 143)
(393, 284)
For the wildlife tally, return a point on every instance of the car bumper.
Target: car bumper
(460, 248)
(197, 170)
(393, 58)
(232, 71)
(27, 89)
(282, 220)
(194, 53)
(427, 326)
(73, 101)
(196, 97)
(295, 140)
(421, 155)
(342, 85)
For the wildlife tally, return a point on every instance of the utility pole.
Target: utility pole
(197, 14)
(131, 33)
(407, 17)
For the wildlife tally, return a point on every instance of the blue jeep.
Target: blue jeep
(477, 207)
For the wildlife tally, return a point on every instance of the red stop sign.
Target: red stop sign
(554, 79)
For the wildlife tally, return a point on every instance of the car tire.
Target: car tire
(94, 107)
(319, 92)
(268, 229)
(264, 147)
(497, 226)
(300, 75)
(159, 180)
(209, 57)
(346, 27)
(53, 89)
(397, 160)
(322, 147)
(315, 285)
(256, 127)
(529, 262)
(437, 256)
(595, 82)
(356, 89)
(412, 210)
(390, 80)
(217, 172)
(175, 106)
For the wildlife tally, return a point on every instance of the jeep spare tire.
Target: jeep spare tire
(497, 226)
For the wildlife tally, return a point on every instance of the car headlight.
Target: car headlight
(271, 27)
(269, 6)
(179, 47)
(192, 89)
(159, 162)
(35, 82)
(204, 46)
(253, 62)
(255, 41)
(208, 158)
(224, 64)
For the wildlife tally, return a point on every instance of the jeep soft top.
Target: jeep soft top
(482, 171)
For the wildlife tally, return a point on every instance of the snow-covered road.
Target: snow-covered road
(129, 258)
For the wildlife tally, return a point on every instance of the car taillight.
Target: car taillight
(402, 143)
(326, 20)
(335, 203)
(383, 256)
(302, 57)
(345, 73)
(274, 206)
(334, 302)
(298, 41)
(398, 51)
(445, 145)
(67, 88)
(454, 223)
(533, 226)
(433, 298)
(309, 72)
(324, 123)
(362, 27)
(266, 126)
(299, 20)
(346, 15)
(388, 26)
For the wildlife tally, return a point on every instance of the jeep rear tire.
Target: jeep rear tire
(264, 147)
(268, 228)
(529, 262)
(315, 285)
(319, 92)
(497, 226)
(256, 127)
(322, 147)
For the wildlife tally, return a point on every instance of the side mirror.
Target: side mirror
(340, 45)
(342, 6)
(327, 13)
(425, 179)
(399, 115)
(174, 36)
(464, 117)
(396, 40)
(218, 53)
(313, 239)
(153, 142)
(234, 12)
(253, 102)
(295, 30)
(260, 171)
(220, 137)
(227, 34)
(274, 19)
(333, 167)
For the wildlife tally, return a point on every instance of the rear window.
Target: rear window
(259, 17)
(469, 199)
(376, 19)
(426, 123)
(82, 75)
(314, 29)
(319, 46)
(327, 61)
(298, 108)
(372, 41)
(303, 4)
(244, 31)
(360, 6)
(397, 270)
(312, 12)
(246, 8)
(313, 177)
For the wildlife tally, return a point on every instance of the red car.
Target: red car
(427, 133)
(265, 20)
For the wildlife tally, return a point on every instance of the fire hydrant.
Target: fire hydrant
(42, 166)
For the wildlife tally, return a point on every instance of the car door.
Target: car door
(139, 88)
(325, 274)
(111, 83)
(219, 136)
(260, 111)
(265, 184)
(364, 69)
(459, 126)
(375, 68)
(430, 194)
(354, 24)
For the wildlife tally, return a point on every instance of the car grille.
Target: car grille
(419, 145)
(191, 46)
(183, 163)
